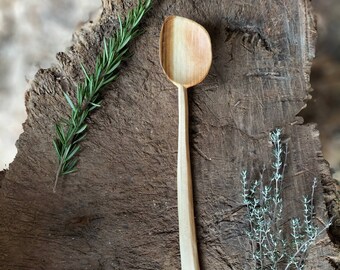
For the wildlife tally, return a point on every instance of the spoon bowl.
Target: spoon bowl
(185, 51)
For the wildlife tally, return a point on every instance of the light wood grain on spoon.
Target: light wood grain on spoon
(185, 53)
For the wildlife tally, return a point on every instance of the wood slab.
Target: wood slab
(119, 211)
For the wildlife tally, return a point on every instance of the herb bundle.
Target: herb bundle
(271, 247)
(70, 132)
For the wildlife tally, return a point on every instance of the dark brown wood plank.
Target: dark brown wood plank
(119, 211)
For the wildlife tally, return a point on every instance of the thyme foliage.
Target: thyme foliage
(70, 132)
(271, 247)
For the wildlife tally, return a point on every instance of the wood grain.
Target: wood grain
(185, 54)
(185, 51)
(186, 217)
(125, 190)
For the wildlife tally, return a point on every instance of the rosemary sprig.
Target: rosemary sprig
(70, 132)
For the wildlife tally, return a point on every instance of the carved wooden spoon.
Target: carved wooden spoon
(185, 54)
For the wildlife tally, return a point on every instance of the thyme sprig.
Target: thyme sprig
(70, 132)
(272, 245)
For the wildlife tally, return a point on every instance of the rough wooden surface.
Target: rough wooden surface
(119, 211)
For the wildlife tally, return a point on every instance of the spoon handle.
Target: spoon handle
(187, 234)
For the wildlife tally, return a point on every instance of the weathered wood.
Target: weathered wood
(119, 210)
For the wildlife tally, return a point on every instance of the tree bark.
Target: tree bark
(119, 210)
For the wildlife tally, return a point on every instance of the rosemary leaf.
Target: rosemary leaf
(70, 132)
(69, 101)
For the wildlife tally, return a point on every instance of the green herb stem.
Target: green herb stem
(70, 132)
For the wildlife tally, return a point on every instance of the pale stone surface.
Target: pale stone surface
(31, 33)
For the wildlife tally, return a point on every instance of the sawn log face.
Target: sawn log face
(119, 210)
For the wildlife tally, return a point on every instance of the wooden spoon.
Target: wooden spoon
(185, 54)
